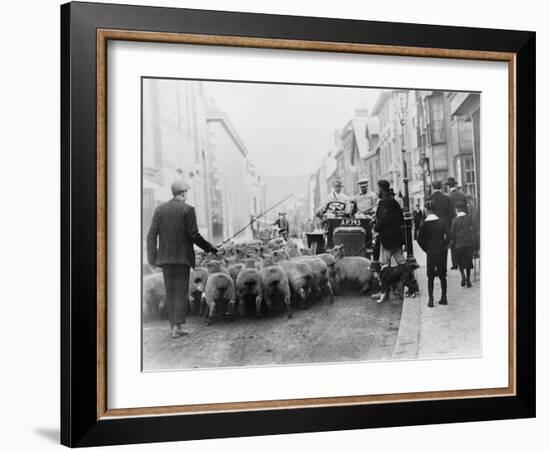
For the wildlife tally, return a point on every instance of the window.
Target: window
(438, 120)
(470, 176)
(466, 137)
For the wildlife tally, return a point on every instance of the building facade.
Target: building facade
(230, 179)
(175, 145)
(185, 136)
(437, 140)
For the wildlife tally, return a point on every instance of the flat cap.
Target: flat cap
(179, 186)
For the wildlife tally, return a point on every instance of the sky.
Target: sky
(288, 129)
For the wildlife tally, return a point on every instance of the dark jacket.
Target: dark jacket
(175, 225)
(456, 197)
(389, 223)
(433, 236)
(282, 224)
(443, 207)
(418, 216)
(463, 232)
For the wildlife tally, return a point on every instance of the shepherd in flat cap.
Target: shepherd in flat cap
(170, 242)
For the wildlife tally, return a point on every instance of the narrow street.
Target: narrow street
(354, 328)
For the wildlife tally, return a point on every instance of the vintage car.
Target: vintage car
(339, 228)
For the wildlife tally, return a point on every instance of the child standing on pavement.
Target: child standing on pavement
(433, 239)
(463, 242)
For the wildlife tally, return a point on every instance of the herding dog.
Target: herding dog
(392, 275)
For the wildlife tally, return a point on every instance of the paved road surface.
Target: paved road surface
(354, 328)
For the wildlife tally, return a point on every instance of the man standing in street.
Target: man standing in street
(283, 225)
(456, 197)
(442, 207)
(365, 201)
(433, 238)
(170, 242)
(389, 225)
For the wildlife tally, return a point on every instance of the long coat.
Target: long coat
(174, 226)
(389, 223)
(463, 232)
(443, 208)
(457, 197)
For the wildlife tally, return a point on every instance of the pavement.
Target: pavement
(450, 331)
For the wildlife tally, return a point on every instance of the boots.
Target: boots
(443, 300)
(430, 292)
(462, 277)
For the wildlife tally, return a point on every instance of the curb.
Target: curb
(408, 336)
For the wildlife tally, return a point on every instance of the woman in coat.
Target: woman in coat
(463, 242)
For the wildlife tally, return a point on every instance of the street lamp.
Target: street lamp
(401, 100)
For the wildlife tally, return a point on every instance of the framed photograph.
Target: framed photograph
(276, 224)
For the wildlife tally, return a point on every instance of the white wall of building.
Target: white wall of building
(231, 167)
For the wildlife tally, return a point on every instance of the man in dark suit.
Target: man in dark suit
(389, 223)
(174, 228)
(442, 207)
(283, 225)
(456, 197)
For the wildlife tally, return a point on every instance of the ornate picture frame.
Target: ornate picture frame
(86, 418)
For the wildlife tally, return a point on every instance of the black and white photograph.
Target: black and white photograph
(300, 224)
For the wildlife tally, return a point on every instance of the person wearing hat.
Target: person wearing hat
(463, 242)
(389, 223)
(283, 224)
(365, 201)
(442, 207)
(455, 194)
(170, 240)
(433, 238)
(336, 195)
(456, 197)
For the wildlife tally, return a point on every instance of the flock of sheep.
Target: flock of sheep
(260, 279)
